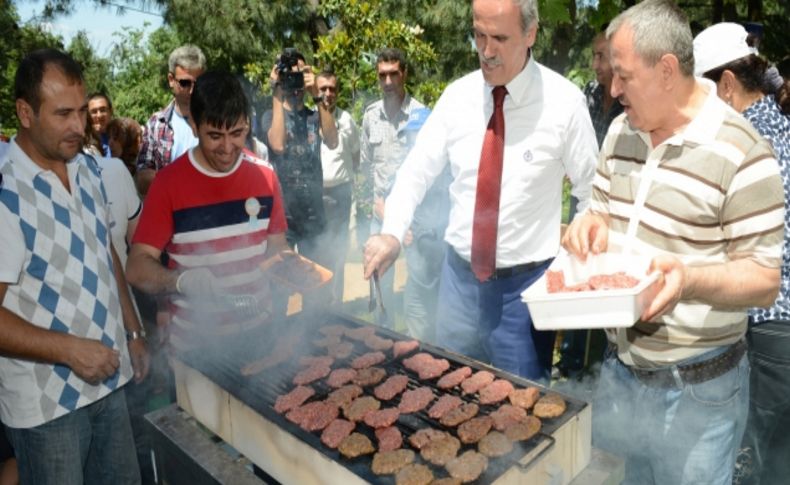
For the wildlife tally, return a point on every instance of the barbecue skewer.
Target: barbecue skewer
(372, 300)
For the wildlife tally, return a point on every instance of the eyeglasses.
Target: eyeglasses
(185, 83)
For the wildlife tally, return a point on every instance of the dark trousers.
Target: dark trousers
(337, 205)
(765, 451)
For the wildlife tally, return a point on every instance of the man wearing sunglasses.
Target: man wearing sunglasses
(167, 133)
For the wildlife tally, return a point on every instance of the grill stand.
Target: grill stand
(289, 460)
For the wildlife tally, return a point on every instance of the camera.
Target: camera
(288, 79)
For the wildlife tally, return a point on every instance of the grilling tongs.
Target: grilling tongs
(375, 284)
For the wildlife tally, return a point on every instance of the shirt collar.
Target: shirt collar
(704, 127)
(518, 87)
(404, 108)
(31, 169)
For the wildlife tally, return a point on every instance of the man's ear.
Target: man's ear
(25, 113)
(669, 69)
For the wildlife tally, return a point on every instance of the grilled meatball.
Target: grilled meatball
(549, 406)
(468, 467)
(389, 462)
(355, 445)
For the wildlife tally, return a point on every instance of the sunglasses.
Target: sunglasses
(185, 83)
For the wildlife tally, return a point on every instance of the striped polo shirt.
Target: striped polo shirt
(713, 195)
(220, 221)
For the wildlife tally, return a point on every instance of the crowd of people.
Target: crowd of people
(123, 244)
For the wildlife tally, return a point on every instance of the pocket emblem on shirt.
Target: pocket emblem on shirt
(252, 207)
(528, 155)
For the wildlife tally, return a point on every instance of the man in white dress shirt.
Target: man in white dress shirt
(548, 135)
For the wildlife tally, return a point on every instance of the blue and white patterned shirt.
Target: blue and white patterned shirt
(58, 266)
(767, 118)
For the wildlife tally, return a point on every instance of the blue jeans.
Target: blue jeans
(387, 283)
(672, 435)
(92, 445)
(766, 443)
(489, 322)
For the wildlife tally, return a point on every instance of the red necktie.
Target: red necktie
(489, 179)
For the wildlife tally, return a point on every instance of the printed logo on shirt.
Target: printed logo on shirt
(528, 155)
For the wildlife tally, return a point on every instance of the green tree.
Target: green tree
(96, 70)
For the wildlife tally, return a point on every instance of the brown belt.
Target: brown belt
(694, 373)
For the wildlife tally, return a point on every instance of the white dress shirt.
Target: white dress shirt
(548, 135)
(338, 163)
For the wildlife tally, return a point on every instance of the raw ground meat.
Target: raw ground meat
(343, 396)
(370, 376)
(523, 431)
(448, 381)
(389, 438)
(495, 444)
(340, 350)
(355, 444)
(477, 381)
(313, 416)
(441, 451)
(321, 360)
(507, 415)
(473, 430)
(497, 391)
(368, 360)
(375, 342)
(456, 416)
(340, 377)
(468, 467)
(336, 431)
(382, 418)
(425, 435)
(525, 398)
(403, 347)
(360, 333)
(359, 407)
(555, 282)
(389, 462)
(295, 398)
(443, 405)
(415, 399)
(311, 374)
(390, 388)
(414, 474)
(549, 406)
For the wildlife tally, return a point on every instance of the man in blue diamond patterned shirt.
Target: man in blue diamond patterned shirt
(69, 336)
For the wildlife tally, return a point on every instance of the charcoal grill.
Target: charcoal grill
(240, 410)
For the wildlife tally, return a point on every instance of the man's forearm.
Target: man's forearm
(736, 284)
(130, 321)
(23, 340)
(328, 126)
(147, 274)
(276, 134)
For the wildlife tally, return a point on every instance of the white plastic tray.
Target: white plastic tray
(591, 309)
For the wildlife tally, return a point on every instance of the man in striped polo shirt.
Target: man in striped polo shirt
(686, 181)
(217, 211)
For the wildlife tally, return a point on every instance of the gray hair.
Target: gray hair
(188, 57)
(529, 13)
(659, 28)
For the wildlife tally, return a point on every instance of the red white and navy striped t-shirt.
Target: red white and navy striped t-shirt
(203, 219)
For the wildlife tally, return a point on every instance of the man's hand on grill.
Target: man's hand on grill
(381, 251)
(92, 361)
(199, 283)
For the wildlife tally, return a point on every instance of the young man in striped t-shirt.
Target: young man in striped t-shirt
(686, 181)
(218, 212)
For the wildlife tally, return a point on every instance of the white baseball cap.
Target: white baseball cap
(718, 45)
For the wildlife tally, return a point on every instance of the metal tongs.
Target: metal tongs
(372, 304)
(246, 305)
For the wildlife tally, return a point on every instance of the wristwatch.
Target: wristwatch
(135, 334)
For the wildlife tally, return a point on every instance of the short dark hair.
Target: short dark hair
(749, 70)
(30, 73)
(218, 99)
(99, 94)
(391, 54)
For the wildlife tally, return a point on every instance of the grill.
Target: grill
(240, 410)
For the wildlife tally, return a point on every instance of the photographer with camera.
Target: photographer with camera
(293, 133)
